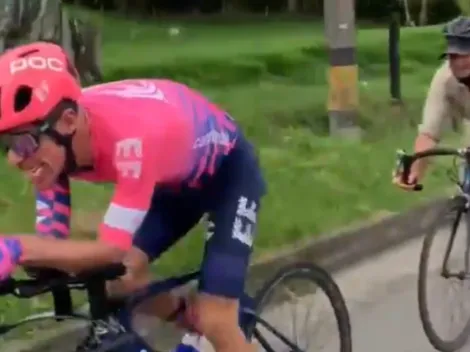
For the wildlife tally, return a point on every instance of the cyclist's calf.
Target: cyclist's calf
(214, 317)
(217, 319)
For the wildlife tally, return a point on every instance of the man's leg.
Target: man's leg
(170, 217)
(237, 193)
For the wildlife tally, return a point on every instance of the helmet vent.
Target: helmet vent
(29, 52)
(23, 98)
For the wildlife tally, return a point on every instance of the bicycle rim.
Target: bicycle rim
(312, 273)
(456, 214)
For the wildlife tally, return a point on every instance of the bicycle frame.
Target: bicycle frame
(248, 316)
(111, 330)
(462, 199)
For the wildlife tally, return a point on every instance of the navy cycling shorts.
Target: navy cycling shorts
(231, 199)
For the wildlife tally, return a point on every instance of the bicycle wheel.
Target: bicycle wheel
(454, 213)
(305, 274)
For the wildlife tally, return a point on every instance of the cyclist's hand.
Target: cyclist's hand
(399, 182)
(10, 253)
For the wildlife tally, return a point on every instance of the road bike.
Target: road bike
(106, 332)
(454, 212)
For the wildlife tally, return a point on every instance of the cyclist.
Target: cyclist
(448, 96)
(172, 155)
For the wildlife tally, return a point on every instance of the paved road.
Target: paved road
(381, 296)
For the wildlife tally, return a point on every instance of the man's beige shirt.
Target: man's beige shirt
(447, 101)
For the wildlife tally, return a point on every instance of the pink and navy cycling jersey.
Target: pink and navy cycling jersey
(145, 134)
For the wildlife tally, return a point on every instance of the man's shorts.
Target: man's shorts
(231, 198)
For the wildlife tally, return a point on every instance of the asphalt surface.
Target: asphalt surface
(381, 295)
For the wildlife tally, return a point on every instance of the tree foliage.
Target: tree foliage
(437, 10)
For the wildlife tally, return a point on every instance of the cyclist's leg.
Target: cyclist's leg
(237, 192)
(170, 217)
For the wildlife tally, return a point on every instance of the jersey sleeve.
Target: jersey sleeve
(142, 165)
(437, 107)
(53, 210)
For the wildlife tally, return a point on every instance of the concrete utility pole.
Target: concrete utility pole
(343, 95)
(394, 51)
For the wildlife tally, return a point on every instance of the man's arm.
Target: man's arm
(125, 214)
(53, 210)
(51, 249)
(70, 256)
(140, 169)
(437, 109)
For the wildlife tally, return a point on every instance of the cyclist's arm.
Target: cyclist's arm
(164, 157)
(53, 210)
(125, 214)
(437, 108)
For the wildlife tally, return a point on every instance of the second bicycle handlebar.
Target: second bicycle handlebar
(405, 161)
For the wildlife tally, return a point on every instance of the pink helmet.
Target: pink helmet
(34, 79)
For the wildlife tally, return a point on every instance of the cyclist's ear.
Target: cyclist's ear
(67, 122)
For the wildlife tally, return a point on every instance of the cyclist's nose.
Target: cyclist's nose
(14, 159)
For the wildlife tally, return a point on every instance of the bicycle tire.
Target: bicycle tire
(454, 212)
(325, 282)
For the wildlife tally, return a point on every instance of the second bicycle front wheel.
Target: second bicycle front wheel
(447, 270)
(297, 285)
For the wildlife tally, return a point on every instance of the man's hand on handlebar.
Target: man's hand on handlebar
(407, 185)
(407, 172)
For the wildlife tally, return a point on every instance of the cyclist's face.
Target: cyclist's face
(43, 166)
(460, 65)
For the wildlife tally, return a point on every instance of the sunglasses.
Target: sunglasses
(24, 143)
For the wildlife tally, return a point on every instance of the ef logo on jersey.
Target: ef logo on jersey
(128, 157)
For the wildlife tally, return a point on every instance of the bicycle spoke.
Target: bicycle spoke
(293, 296)
(445, 293)
(299, 285)
(306, 322)
(264, 343)
(279, 335)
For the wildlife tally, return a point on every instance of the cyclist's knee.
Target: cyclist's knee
(137, 274)
(215, 317)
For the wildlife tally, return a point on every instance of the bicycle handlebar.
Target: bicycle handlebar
(405, 161)
(27, 288)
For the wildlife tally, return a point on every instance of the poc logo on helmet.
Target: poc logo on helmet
(36, 63)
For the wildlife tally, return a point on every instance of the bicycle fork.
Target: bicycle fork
(463, 274)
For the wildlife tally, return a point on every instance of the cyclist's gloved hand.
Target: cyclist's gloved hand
(10, 253)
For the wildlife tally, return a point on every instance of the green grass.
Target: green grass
(271, 77)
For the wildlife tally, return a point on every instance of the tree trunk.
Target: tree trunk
(122, 6)
(408, 20)
(292, 6)
(423, 13)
